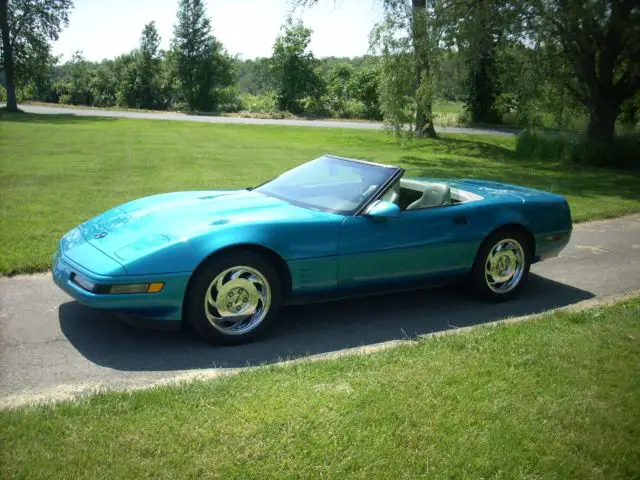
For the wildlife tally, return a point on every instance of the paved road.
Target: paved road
(92, 112)
(51, 345)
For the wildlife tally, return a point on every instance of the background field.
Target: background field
(58, 170)
(553, 398)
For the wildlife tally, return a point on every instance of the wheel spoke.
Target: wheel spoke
(233, 321)
(210, 299)
(238, 273)
(220, 282)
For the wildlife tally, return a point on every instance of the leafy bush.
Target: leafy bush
(228, 99)
(3, 94)
(574, 148)
(65, 99)
(265, 103)
(334, 107)
(354, 109)
(180, 106)
(538, 145)
(630, 111)
(318, 107)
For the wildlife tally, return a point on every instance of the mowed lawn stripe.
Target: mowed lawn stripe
(58, 170)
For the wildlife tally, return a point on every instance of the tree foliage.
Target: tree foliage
(293, 66)
(478, 36)
(364, 86)
(542, 63)
(202, 65)
(254, 76)
(28, 27)
(408, 40)
(148, 85)
(599, 42)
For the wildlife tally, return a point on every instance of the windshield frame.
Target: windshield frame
(395, 174)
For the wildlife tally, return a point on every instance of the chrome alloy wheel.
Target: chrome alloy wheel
(505, 266)
(237, 300)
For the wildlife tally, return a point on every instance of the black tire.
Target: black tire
(195, 310)
(479, 282)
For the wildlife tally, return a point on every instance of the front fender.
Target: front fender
(294, 242)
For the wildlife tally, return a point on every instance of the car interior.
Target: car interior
(411, 194)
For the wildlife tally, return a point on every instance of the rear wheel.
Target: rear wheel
(234, 298)
(502, 265)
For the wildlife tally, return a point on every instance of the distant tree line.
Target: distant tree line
(551, 63)
(522, 57)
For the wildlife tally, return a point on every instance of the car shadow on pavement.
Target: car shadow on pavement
(302, 330)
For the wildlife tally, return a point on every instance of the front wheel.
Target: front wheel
(502, 266)
(234, 298)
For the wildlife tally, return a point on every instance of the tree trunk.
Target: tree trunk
(424, 122)
(424, 115)
(482, 92)
(7, 49)
(602, 119)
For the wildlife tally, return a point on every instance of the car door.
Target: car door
(417, 245)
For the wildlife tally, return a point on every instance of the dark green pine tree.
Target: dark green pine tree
(149, 64)
(197, 54)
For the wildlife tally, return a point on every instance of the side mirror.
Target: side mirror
(383, 209)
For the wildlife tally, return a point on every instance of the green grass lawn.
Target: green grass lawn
(444, 106)
(447, 113)
(58, 170)
(553, 398)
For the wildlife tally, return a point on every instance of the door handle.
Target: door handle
(460, 220)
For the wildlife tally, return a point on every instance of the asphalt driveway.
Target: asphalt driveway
(51, 346)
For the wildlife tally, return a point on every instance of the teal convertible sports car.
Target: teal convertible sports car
(226, 260)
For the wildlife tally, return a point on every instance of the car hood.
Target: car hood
(127, 231)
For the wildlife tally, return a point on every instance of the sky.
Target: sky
(108, 28)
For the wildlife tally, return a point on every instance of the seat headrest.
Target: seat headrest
(435, 194)
(439, 192)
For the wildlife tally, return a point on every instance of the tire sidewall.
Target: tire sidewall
(478, 282)
(207, 272)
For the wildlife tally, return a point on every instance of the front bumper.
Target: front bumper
(165, 305)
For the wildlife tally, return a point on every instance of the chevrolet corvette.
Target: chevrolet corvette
(225, 261)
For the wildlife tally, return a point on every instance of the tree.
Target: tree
(292, 65)
(409, 41)
(148, 68)
(425, 40)
(125, 67)
(481, 29)
(410, 29)
(28, 28)
(255, 76)
(75, 86)
(364, 86)
(478, 31)
(202, 65)
(338, 93)
(104, 84)
(600, 41)
(338, 80)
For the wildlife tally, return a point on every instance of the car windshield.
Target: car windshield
(329, 184)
